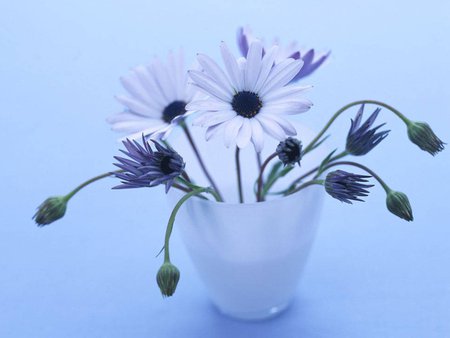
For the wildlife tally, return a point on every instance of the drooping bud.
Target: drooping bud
(347, 187)
(167, 279)
(398, 203)
(290, 151)
(421, 134)
(52, 209)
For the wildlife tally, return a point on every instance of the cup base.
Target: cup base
(257, 315)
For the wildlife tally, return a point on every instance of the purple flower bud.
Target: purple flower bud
(145, 167)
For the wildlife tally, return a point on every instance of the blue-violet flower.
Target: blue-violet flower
(145, 167)
(347, 187)
(361, 139)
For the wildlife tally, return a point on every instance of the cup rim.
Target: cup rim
(300, 194)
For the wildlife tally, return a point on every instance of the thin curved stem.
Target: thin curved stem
(174, 214)
(312, 171)
(260, 177)
(306, 184)
(200, 160)
(344, 108)
(238, 173)
(92, 180)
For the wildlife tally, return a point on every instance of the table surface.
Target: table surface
(92, 274)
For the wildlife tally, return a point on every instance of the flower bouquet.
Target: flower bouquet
(252, 96)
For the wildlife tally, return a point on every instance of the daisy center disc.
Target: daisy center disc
(173, 110)
(247, 104)
(165, 165)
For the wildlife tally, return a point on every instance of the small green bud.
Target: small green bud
(167, 279)
(52, 209)
(421, 134)
(398, 203)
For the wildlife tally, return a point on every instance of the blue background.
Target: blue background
(92, 274)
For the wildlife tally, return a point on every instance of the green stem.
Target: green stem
(334, 158)
(259, 196)
(174, 214)
(312, 171)
(344, 108)
(363, 167)
(199, 158)
(238, 173)
(92, 180)
(307, 184)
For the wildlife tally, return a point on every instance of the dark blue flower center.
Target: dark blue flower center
(165, 165)
(247, 104)
(173, 110)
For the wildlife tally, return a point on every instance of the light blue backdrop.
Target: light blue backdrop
(92, 274)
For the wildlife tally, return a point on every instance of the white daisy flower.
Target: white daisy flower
(156, 99)
(252, 98)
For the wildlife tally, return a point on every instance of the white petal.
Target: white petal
(208, 104)
(178, 74)
(232, 129)
(129, 116)
(271, 127)
(212, 118)
(287, 127)
(209, 85)
(137, 127)
(266, 67)
(132, 84)
(286, 107)
(214, 130)
(162, 79)
(151, 132)
(147, 80)
(245, 133)
(253, 65)
(281, 74)
(135, 105)
(215, 72)
(286, 93)
(257, 135)
(232, 67)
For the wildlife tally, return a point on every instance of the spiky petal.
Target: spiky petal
(347, 187)
(145, 167)
(361, 139)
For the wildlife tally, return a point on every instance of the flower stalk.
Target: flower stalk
(168, 275)
(200, 159)
(239, 176)
(343, 109)
(259, 196)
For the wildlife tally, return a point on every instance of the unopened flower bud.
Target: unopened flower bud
(290, 151)
(52, 209)
(398, 203)
(421, 134)
(167, 279)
